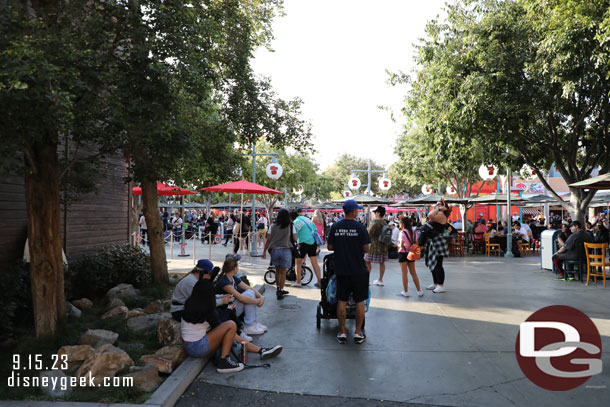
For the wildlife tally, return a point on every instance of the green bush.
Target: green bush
(94, 274)
(16, 298)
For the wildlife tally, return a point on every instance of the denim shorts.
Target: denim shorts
(281, 257)
(198, 349)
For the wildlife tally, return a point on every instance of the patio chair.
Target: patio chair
(596, 261)
(491, 247)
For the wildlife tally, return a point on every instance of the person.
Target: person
(573, 249)
(229, 229)
(600, 233)
(306, 246)
(261, 230)
(379, 251)
(407, 238)
(521, 232)
(203, 334)
(395, 233)
(279, 242)
(564, 235)
(240, 232)
(246, 301)
(177, 227)
(431, 237)
(349, 240)
(144, 230)
(496, 236)
(318, 220)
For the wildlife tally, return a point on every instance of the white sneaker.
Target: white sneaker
(261, 326)
(420, 293)
(439, 289)
(254, 329)
(242, 334)
(431, 287)
(297, 285)
(379, 283)
(404, 293)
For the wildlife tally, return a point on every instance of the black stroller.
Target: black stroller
(325, 309)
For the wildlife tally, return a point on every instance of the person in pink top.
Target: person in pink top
(408, 237)
(318, 220)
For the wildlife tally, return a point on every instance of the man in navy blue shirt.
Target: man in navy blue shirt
(349, 240)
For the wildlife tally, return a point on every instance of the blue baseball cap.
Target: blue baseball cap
(350, 205)
(205, 265)
(236, 257)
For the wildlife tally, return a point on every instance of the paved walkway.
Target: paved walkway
(450, 349)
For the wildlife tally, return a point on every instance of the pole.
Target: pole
(253, 252)
(509, 237)
(497, 192)
(368, 187)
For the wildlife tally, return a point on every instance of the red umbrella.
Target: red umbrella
(243, 187)
(165, 189)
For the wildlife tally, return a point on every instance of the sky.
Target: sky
(334, 54)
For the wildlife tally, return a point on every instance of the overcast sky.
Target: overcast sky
(333, 54)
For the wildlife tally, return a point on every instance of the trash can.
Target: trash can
(548, 246)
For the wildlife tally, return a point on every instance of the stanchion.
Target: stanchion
(194, 249)
(183, 249)
(171, 247)
(210, 243)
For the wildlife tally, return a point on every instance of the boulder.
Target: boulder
(83, 303)
(114, 302)
(98, 337)
(154, 307)
(147, 321)
(167, 304)
(168, 332)
(105, 361)
(72, 311)
(76, 354)
(120, 310)
(136, 312)
(145, 378)
(166, 359)
(55, 386)
(122, 291)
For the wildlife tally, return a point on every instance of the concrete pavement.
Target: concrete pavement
(452, 349)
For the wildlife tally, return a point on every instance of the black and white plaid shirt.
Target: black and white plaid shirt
(435, 247)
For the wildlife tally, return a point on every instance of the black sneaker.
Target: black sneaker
(279, 295)
(341, 338)
(317, 285)
(284, 292)
(268, 353)
(359, 338)
(227, 365)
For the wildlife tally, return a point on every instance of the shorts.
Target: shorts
(261, 231)
(281, 257)
(357, 284)
(402, 258)
(198, 349)
(376, 259)
(305, 249)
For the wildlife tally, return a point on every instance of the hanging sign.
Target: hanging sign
(347, 193)
(354, 183)
(274, 170)
(488, 172)
(427, 189)
(385, 184)
(450, 190)
(527, 173)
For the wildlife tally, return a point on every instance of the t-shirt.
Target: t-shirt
(575, 243)
(143, 222)
(193, 332)
(263, 220)
(182, 292)
(279, 237)
(304, 232)
(404, 239)
(523, 233)
(223, 282)
(348, 238)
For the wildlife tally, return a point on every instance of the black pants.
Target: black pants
(145, 237)
(438, 274)
(228, 234)
(236, 244)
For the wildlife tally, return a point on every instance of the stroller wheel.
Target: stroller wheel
(318, 317)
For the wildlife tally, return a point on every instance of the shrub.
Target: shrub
(94, 274)
(16, 298)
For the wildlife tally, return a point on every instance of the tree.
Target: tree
(341, 171)
(524, 79)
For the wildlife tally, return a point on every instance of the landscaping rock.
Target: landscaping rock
(145, 378)
(128, 347)
(168, 332)
(76, 354)
(120, 310)
(167, 304)
(136, 312)
(114, 302)
(122, 291)
(105, 361)
(147, 321)
(154, 307)
(83, 303)
(72, 311)
(167, 358)
(98, 337)
(55, 387)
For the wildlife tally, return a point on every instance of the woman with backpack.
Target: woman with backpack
(408, 238)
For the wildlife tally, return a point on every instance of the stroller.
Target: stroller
(326, 310)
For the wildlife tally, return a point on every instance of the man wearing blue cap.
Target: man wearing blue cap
(350, 240)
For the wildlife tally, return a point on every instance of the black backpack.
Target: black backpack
(385, 236)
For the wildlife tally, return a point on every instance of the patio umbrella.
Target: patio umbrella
(496, 198)
(164, 189)
(599, 182)
(431, 200)
(366, 200)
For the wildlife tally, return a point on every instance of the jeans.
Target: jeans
(198, 349)
(249, 310)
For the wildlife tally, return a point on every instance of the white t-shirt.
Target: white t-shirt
(395, 235)
(263, 220)
(523, 234)
(143, 222)
(193, 332)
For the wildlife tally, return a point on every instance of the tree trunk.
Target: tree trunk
(158, 261)
(44, 237)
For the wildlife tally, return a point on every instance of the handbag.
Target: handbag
(414, 250)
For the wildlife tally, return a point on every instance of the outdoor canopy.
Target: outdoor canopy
(428, 200)
(599, 182)
(243, 186)
(165, 189)
(366, 200)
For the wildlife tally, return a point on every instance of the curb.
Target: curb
(165, 396)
